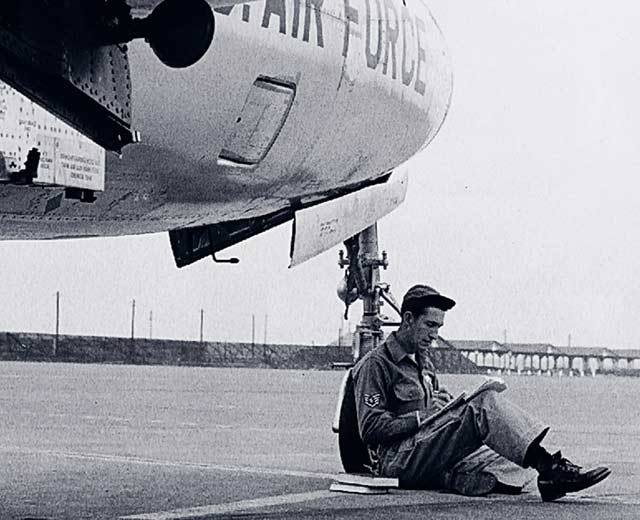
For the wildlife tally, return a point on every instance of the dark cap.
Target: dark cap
(426, 296)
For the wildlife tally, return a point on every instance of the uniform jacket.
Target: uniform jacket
(391, 389)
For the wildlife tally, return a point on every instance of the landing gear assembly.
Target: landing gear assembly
(361, 281)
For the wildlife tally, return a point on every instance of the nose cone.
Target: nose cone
(438, 78)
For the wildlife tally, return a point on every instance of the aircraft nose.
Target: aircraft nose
(438, 78)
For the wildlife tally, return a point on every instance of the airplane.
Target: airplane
(217, 120)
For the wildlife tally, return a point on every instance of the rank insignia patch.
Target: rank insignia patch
(372, 400)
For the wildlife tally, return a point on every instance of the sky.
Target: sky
(524, 209)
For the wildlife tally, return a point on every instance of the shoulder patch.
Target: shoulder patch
(372, 400)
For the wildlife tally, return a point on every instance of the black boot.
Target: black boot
(561, 477)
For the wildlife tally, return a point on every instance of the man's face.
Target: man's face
(423, 329)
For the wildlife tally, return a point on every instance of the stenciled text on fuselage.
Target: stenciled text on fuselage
(394, 37)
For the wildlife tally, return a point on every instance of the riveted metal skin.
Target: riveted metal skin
(51, 52)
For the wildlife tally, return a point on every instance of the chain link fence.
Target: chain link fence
(101, 349)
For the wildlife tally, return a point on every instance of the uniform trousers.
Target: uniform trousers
(468, 449)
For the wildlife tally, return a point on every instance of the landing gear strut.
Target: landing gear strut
(362, 280)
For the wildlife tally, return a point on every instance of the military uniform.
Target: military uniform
(468, 449)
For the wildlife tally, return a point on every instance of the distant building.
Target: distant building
(588, 358)
(628, 358)
(543, 357)
(485, 354)
(533, 356)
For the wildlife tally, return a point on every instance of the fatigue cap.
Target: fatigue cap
(426, 296)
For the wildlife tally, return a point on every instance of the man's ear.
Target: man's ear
(408, 318)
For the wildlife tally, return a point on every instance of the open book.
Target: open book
(490, 383)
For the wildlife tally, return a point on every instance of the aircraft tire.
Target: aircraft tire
(353, 452)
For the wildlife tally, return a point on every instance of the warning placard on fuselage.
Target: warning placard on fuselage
(67, 158)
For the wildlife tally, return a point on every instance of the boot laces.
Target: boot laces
(567, 466)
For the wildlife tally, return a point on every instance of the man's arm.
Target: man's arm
(377, 424)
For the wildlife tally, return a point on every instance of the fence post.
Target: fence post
(55, 338)
(133, 324)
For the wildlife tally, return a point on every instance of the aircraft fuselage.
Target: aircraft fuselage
(295, 100)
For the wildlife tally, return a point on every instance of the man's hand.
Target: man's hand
(443, 395)
(439, 399)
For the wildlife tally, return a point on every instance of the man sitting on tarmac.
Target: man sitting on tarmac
(475, 448)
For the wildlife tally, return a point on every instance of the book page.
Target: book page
(490, 383)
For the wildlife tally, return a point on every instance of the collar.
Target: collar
(395, 348)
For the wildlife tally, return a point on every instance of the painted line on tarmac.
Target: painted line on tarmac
(231, 507)
(123, 459)
(627, 499)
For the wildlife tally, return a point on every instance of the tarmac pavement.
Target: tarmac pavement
(100, 441)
